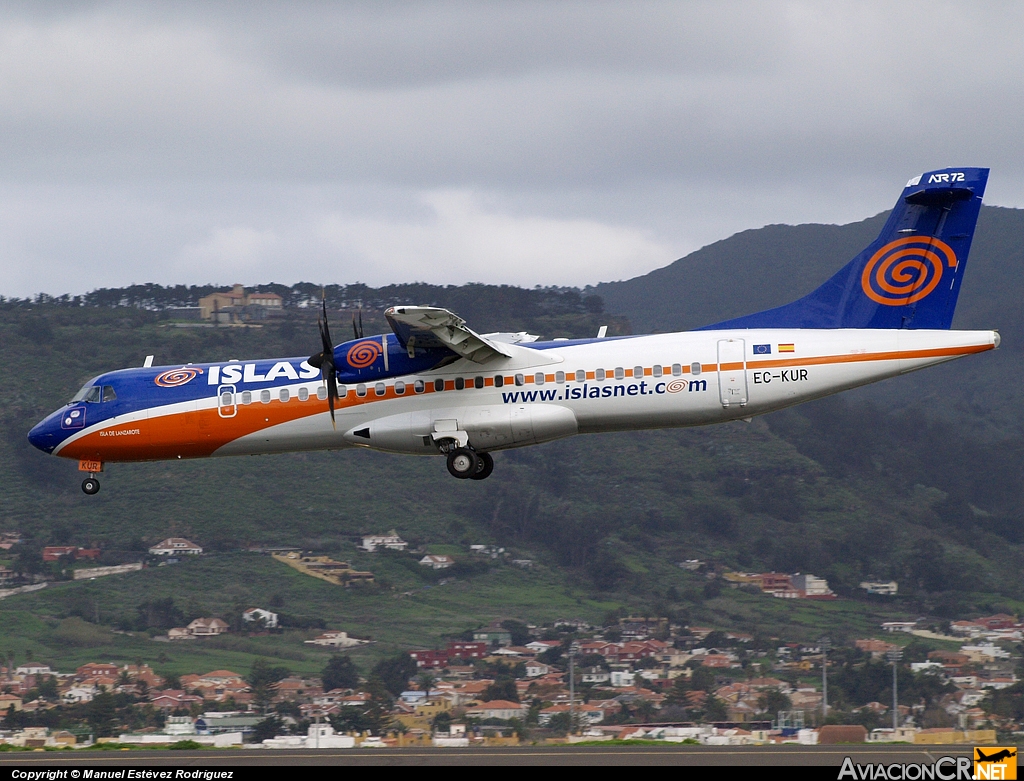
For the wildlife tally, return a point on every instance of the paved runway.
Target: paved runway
(721, 756)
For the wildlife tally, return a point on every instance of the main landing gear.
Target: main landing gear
(464, 462)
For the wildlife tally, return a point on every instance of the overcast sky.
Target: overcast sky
(527, 143)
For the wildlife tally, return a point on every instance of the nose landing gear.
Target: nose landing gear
(90, 485)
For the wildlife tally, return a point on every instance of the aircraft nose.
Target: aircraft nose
(42, 435)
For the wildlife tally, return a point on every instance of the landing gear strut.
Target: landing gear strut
(91, 486)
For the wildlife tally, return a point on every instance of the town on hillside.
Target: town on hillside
(636, 677)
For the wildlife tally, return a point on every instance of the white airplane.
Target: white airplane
(435, 387)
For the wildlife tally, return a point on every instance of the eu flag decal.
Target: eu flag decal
(762, 349)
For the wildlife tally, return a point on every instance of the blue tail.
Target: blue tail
(909, 277)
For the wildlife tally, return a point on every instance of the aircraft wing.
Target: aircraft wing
(429, 326)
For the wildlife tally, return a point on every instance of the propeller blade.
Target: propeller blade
(360, 323)
(355, 329)
(325, 361)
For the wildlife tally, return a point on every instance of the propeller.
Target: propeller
(357, 331)
(324, 361)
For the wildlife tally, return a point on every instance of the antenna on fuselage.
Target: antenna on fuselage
(602, 332)
(148, 362)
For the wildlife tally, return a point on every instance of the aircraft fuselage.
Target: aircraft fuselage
(543, 392)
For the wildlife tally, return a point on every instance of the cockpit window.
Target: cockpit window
(90, 393)
(108, 393)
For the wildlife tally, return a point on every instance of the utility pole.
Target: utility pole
(572, 693)
(825, 643)
(894, 654)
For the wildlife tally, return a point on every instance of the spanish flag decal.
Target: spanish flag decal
(787, 348)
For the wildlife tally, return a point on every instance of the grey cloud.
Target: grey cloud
(160, 132)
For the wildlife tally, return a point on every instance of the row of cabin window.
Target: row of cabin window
(380, 388)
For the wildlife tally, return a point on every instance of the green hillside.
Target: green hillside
(918, 481)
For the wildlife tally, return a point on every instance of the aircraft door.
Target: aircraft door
(226, 402)
(732, 372)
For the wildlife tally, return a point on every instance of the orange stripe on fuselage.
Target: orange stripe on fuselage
(196, 434)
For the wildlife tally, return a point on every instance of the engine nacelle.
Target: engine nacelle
(492, 427)
(378, 357)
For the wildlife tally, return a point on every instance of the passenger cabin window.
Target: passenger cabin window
(677, 369)
(438, 385)
(303, 394)
(380, 389)
(284, 395)
(619, 372)
(499, 381)
(418, 386)
(695, 368)
(460, 383)
(657, 371)
(581, 375)
(478, 382)
(638, 371)
(360, 390)
(559, 377)
(225, 399)
(264, 397)
(108, 393)
(599, 374)
(399, 387)
(246, 397)
(538, 378)
(520, 379)
(321, 393)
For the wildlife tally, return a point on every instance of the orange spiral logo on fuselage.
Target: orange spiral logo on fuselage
(175, 377)
(362, 354)
(675, 386)
(906, 270)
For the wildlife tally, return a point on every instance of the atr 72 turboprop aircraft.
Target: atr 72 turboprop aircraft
(434, 386)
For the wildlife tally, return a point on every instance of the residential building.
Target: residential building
(497, 709)
(465, 650)
(586, 713)
(207, 627)
(429, 660)
(391, 541)
(233, 305)
(812, 587)
(436, 562)
(172, 699)
(175, 546)
(257, 615)
(536, 669)
(337, 640)
(887, 588)
(899, 626)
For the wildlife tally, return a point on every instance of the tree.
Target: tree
(677, 695)
(519, 631)
(714, 709)
(101, 713)
(262, 674)
(266, 729)
(501, 690)
(394, 673)
(772, 701)
(339, 673)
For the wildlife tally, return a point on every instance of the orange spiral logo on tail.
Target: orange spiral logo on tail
(362, 354)
(906, 270)
(175, 377)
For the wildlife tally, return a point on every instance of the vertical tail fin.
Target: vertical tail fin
(909, 277)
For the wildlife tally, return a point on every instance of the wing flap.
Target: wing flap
(428, 326)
